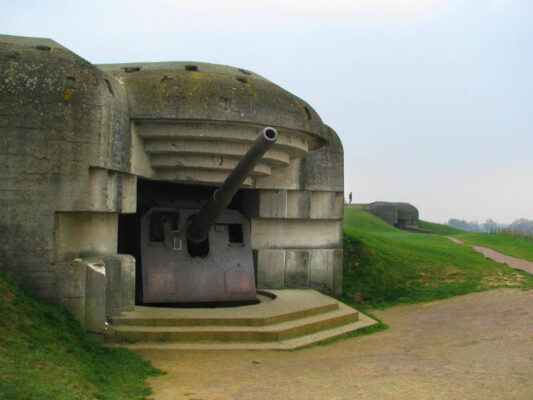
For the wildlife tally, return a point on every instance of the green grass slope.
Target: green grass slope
(506, 244)
(45, 354)
(385, 266)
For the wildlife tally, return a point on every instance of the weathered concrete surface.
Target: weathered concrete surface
(62, 123)
(477, 346)
(95, 296)
(320, 269)
(202, 91)
(120, 283)
(323, 169)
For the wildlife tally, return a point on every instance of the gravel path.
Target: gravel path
(513, 262)
(478, 346)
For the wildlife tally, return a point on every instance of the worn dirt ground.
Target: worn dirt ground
(478, 346)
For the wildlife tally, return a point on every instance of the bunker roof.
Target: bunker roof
(188, 90)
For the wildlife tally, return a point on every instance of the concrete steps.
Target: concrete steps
(295, 318)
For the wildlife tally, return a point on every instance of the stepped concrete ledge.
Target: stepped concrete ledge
(295, 318)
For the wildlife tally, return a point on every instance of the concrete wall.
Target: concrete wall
(84, 234)
(297, 227)
(64, 159)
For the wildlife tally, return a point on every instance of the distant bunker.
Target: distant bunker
(401, 215)
(104, 170)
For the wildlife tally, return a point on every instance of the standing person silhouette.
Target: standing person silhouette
(350, 197)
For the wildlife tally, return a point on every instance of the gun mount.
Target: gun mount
(217, 252)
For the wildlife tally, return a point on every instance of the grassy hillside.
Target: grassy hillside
(439, 229)
(510, 245)
(384, 265)
(505, 244)
(45, 354)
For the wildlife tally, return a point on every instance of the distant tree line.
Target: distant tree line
(520, 227)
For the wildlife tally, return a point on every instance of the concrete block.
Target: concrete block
(95, 296)
(97, 189)
(283, 178)
(113, 295)
(337, 263)
(120, 286)
(298, 204)
(297, 269)
(62, 284)
(129, 193)
(140, 161)
(321, 270)
(113, 200)
(61, 280)
(323, 168)
(305, 234)
(84, 234)
(273, 204)
(111, 191)
(128, 282)
(271, 269)
(327, 205)
(69, 280)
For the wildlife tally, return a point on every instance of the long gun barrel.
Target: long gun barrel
(199, 226)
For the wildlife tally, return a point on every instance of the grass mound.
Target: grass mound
(45, 354)
(386, 266)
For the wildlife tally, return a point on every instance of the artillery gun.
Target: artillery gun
(190, 255)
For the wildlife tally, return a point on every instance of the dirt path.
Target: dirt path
(478, 346)
(455, 240)
(513, 262)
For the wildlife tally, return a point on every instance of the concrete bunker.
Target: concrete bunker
(87, 147)
(400, 215)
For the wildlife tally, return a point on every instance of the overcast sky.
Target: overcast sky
(433, 99)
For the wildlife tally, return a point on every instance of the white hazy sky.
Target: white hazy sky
(433, 99)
